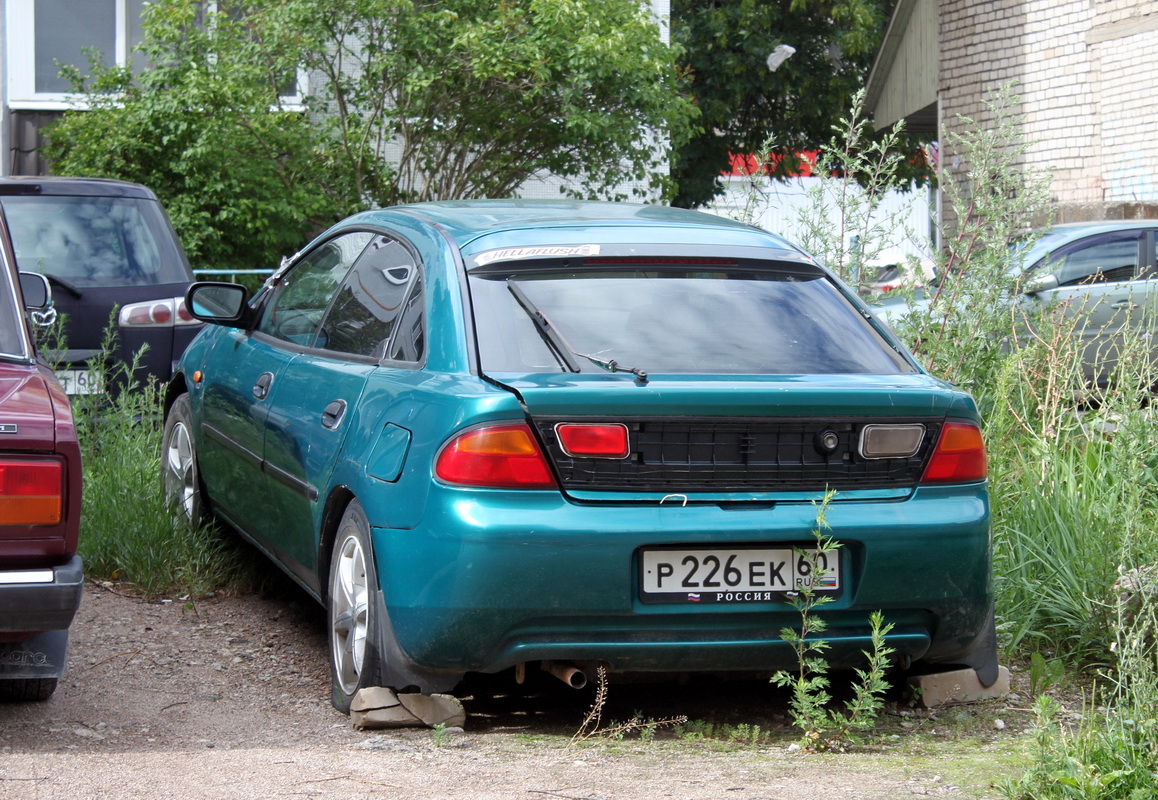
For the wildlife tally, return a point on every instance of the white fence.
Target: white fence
(776, 206)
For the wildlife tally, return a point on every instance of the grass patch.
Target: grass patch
(128, 532)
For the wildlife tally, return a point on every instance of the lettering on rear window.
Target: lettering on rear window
(514, 253)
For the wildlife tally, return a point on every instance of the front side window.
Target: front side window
(94, 241)
(668, 320)
(300, 299)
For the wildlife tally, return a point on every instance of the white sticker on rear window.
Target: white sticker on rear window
(557, 251)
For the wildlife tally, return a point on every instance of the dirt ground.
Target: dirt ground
(228, 698)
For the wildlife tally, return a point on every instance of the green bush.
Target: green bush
(244, 179)
(470, 98)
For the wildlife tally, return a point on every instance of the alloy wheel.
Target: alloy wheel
(349, 613)
(180, 473)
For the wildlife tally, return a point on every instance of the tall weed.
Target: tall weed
(824, 727)
(968, 324)
(1113, 753)
(128, 532)
(844, 223)
(1072, 465)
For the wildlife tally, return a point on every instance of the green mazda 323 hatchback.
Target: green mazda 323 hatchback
(486, 434)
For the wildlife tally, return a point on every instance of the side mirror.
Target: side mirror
(36, 291)
(1041, 283)
(218, 303)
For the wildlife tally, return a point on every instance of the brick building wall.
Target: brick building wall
(1086, 72)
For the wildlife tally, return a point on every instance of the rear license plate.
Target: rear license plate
(735, 575)
(80, 381)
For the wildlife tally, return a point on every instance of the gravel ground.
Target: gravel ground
(228, 698)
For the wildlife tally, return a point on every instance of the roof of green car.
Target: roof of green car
(465, 220)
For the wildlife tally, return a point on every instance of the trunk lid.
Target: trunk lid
(27, 418)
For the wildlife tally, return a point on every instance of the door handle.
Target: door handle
(333, 413)
(1124, 304)
(261, 388)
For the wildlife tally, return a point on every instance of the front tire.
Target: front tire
(179, 473)
(353, 622)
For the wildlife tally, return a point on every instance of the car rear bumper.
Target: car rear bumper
(493, 579)
(34, 600)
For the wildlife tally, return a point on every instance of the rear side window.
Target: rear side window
(667, 320)
(371, 302)
(95, 241)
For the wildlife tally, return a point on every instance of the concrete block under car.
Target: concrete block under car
(380, 707)
(958, 686)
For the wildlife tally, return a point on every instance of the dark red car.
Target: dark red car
(41, 579)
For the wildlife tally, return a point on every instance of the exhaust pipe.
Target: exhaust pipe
(568, 673)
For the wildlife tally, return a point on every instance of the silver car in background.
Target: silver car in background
(1101, 277)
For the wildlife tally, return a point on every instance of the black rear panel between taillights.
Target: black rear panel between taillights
(689, 454)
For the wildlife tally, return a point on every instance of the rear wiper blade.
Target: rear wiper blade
(549, 331)
(566, 352)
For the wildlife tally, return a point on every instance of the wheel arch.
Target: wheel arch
(388, 664)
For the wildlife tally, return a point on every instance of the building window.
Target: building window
(44, 34)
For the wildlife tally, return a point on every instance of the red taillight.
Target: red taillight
(31, 492)
(584, 440)
(959, 457)
(502, 456)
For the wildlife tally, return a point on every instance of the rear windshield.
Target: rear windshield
(674, 321)
(95, 241)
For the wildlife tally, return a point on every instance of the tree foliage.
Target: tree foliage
(743, 104)
(478, 96)
(406, 100)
